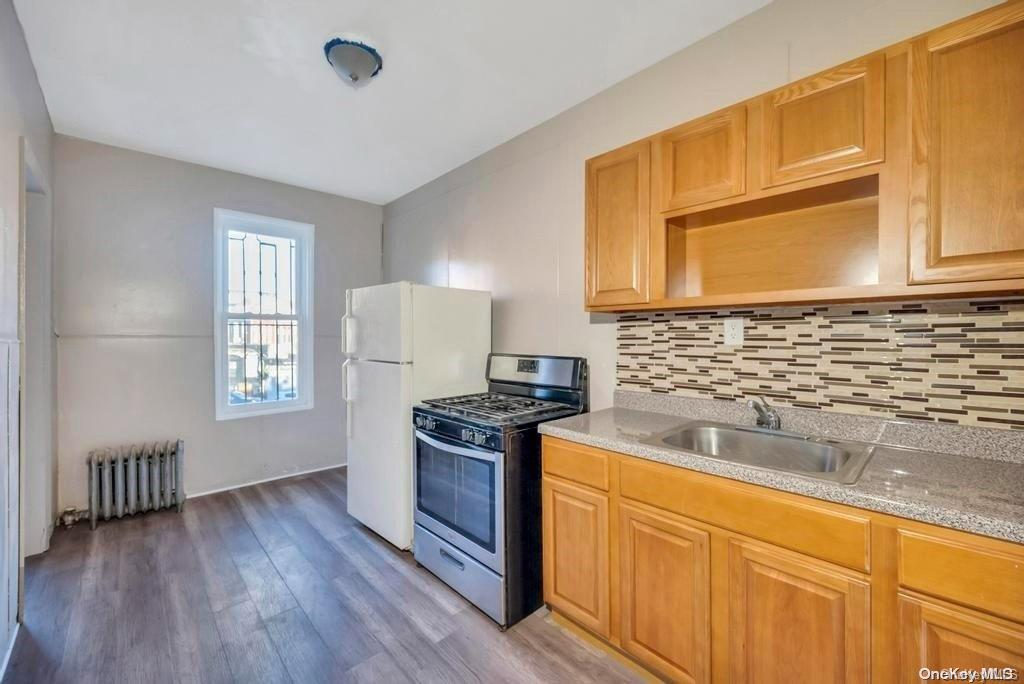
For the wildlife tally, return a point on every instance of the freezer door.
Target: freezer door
(377, 323)
(380, 448)
(451, 337)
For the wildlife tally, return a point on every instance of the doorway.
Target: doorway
(31, 464)
(38, 379)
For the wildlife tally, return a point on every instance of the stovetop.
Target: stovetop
(495, 408)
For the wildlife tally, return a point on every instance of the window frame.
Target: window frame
(225, 220)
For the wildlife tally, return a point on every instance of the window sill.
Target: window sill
(267, 409)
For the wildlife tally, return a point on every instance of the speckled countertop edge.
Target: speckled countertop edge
(579, 429)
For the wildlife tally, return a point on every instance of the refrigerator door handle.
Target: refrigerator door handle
(344, 380)
(344, 333)
(345, 325)
(346, 348)
(345, 396)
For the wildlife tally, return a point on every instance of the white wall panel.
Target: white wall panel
(8, 470)
(39, 399)
(12, 484)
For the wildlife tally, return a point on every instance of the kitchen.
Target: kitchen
(708, 369)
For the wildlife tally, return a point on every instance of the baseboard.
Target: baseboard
(267, 479)
(10, 650)
(602, 645)
(44, 543)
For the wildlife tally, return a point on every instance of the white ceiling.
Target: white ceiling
(243, 85)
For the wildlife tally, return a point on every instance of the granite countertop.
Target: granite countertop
(984, 495)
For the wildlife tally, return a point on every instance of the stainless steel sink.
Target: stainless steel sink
(820, 458)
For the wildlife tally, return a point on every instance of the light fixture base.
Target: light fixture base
(354, 61)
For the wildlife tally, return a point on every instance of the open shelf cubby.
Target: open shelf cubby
(825, 236)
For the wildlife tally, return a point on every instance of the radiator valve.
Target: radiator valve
(70, 516)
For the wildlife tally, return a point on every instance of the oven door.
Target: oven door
(460, 496)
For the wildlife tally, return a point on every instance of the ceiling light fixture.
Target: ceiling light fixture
(354, 61)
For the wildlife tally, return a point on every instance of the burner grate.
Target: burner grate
(495, 407)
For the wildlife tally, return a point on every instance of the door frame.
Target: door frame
(32, 180)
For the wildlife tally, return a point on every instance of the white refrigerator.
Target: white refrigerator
(404, 343)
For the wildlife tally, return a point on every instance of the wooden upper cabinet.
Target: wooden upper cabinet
(967, 167)
(665, 594)
(936, 636)
(823, 124)
(795, 619)
(576, 554)
(703, 160)
(618, 207)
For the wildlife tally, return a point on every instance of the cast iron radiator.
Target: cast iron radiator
(135, 479)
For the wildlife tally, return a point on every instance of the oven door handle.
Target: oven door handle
(445, 445)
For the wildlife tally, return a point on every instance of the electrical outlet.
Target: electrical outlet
(733, 332)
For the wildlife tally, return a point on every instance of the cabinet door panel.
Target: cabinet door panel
(576, 554)
(935, 636)
(967, 170)
(825, 123)
(795, 619)
(665, 594)
(618, 198)
(703, 160)
(986, 576)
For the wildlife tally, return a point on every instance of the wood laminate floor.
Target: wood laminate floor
(269, 583)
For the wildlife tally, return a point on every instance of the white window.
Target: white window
(263, 322)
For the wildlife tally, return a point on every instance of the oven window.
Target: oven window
(458, 492)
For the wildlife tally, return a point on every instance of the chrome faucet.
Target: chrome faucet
(767, 416)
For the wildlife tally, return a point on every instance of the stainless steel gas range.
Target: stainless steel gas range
(477, 474)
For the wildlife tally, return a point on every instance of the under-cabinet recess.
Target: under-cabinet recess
(826, 236)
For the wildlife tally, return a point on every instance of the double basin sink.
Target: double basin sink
(820, 458)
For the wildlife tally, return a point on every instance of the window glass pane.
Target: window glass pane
(262, 358)
(261, 274)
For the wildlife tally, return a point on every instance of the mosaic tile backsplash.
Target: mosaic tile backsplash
(947, 361)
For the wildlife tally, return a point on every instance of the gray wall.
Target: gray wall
(24, 121)
(26, 136)
(511, 220)
(134, 314)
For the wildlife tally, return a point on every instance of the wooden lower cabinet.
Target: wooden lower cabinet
(935, 635)
(698, 578)
(795, 619)
(576, 554)
(664, 567)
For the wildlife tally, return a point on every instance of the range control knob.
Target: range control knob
(425, 422)
(474, 436)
